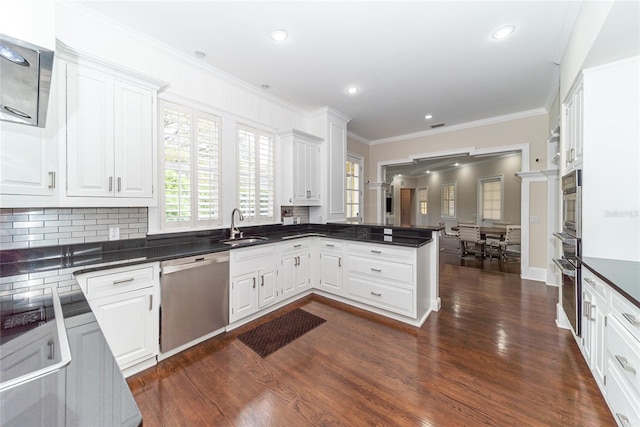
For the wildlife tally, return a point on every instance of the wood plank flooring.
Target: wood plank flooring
(491, 356)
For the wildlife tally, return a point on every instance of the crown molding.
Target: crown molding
(358, 138)
(181, 56)
(461, 126)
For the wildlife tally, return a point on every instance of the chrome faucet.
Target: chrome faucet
(235, 232)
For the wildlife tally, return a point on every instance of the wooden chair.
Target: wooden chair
(493, 239)
(470, 233)
(511, 242)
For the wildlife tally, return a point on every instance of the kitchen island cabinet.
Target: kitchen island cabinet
(610, 341)
(125, 302)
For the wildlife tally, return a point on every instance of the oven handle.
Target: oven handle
(562, 265)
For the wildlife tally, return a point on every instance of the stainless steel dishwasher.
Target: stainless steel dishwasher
(195, 298)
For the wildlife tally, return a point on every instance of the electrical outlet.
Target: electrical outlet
(114, 233)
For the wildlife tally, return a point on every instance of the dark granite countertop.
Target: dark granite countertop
(623, 276)
(176, 245)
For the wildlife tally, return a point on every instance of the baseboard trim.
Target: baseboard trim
(534, 273)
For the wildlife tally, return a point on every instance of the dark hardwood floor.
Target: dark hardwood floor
(491, 356)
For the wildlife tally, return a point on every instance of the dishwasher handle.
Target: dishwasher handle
(198, 262)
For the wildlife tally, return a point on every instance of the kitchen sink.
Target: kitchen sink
(243, 240)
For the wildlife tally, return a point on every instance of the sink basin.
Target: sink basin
(243, 240)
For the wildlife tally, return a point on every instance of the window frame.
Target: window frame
(424, 190)
(194, 114)
(259, 133)
(481, 182)
(359, 162)
(453, 184)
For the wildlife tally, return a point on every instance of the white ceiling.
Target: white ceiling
(408, 58)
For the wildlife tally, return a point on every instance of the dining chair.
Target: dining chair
(470, 234)
(511, 242)
(449, 235)
(494, 239)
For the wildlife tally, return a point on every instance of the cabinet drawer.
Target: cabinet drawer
(395, 271)
(624, 352)
(238, 255)
(382, 251)
(596, 285)
(295, 245)
(627, 313)
(622, 401)
(112, 283)
(377, 294)
(330, 245)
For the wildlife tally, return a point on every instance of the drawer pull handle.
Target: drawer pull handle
(117, 282)
(298, 246)
(377, 270)
(585, 309)
(329, 245)
(590, 281)
(625, 364)
(631, 318)
(378, 294)
(110, 183)
(624, 420)
(52, 350)
(373, 251)
(339, 262)
(591, 315)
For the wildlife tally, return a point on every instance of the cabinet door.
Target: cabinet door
(598, 356)
(127, 321)
(41, 400)
(287, 275)
(578, 115)
(299, 172)
(27, 159)
(89, 133)
(133, 140)
(302, 272)
(267, 287)
(587, 326)
(331, 272)
(243, 296)
(313, 172)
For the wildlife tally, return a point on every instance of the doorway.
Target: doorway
(406, 198)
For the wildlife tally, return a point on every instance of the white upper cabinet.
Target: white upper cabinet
(110, 135)
(301, 169)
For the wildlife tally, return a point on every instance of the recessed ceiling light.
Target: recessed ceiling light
(352, 90)
(279, 35)
(428, 172)
(456, 164)
(199, 54)
(428, 117)
(503, 32)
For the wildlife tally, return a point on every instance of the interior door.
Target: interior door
(405, 206)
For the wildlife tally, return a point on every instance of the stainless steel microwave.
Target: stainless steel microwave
(572, 203)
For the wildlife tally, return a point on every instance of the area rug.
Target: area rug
(276, 333)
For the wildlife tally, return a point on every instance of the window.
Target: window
(353, 188)
(255, 174)
(449, 200)
(491, 198)
(191, 163)
(422, 200)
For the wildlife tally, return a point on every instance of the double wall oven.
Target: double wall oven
(570, 238)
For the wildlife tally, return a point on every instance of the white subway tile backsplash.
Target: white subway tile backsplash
(39, 227)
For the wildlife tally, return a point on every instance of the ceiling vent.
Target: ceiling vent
(439, 125)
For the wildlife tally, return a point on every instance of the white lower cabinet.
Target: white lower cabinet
(331, 262)
(125, 302)
(594, 312)
(253, 280)
(610, 344)
(382, 276)
(295, 269)
(88, 371)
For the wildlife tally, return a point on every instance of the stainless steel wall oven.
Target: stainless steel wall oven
(571, 247)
